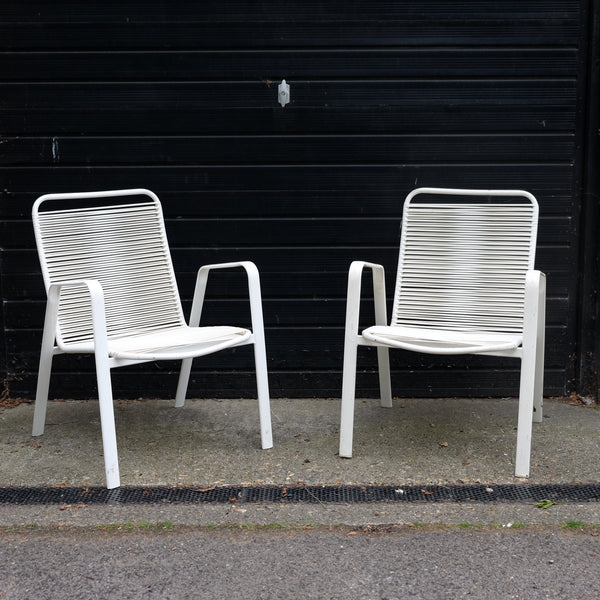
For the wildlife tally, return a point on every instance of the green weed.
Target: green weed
(545, 504)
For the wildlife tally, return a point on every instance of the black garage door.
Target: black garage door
(181, 97)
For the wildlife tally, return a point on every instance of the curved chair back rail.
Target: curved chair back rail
(462, 265)
(124, 247)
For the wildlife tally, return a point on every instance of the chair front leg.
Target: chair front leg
(348, 397)
(351, 339)
(258, 338)
(107, 421)
(531, 387)
(105, 397)
(260, 354)
(262, 386)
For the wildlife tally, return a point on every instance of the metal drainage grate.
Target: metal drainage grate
(302, 494)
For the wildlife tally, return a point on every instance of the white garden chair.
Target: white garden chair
(112, 292)
(465, 285)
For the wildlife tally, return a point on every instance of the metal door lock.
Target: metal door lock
(283, 93)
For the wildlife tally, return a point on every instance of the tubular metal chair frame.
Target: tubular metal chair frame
(84, 303)
(416, 324)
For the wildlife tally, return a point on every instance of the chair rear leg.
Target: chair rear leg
(182, 384)
(385, 384)
(348, 396)
(41, 395)
(538, 386)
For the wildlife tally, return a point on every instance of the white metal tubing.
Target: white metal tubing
(105, 397)
(530, 367)
(538, 391)
(470, 192)
(383, 353)
(258, 338)
(260, 354)
(183, 381)
(351, 341)
(46, 355)
(195, 315)
(385, 378)
(348, 397)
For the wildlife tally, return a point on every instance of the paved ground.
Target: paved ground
(301, 563)
(319, 550)
(216, 442)
(212, 442)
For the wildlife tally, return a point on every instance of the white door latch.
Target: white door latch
(283, 93)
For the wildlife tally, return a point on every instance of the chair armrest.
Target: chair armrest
(354, 295)
(96, 303)
(253, 290)
(93, 285)
(535, 307)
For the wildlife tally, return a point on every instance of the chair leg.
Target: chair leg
(532, 368)
(182, 384)
(348, 396)
(538, 386)
(107, 421)
(385, 384)
(260, 354)
(262, 386)
(46, 356)
(41, 395)
(525, 418)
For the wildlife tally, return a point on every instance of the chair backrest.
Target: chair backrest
(118, 238)
(463, 260)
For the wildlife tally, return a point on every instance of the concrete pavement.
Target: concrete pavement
(216, 443)
(307, 563)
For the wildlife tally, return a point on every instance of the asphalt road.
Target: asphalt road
(270, 563)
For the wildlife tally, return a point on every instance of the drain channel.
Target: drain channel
(302, 494)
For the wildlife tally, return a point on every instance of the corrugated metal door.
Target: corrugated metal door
(181, 97)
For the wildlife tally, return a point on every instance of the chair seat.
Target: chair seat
(440, 341)
(174, 343)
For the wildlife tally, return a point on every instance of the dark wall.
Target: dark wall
(181, 97)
